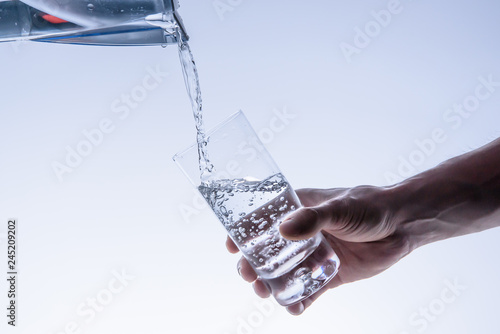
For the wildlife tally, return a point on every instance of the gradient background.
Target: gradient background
(121, 208)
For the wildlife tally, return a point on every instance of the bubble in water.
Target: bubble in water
(257, 230)
(314, 285)
(223, 210)
(303, 274)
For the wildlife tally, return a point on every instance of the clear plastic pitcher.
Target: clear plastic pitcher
(94, 22)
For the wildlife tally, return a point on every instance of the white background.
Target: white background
(120, 209)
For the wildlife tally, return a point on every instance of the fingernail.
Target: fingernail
(286, 222)
(238, 267)
(287, 228)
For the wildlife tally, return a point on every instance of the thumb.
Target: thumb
(304, 223)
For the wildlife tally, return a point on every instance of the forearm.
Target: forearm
(458, 197)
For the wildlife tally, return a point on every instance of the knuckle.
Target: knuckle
(310, 213)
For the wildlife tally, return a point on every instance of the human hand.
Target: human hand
(361, 224)
(372, 228)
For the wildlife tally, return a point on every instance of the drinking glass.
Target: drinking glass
(251, 197)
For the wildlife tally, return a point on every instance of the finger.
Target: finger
(260, 289)
(305, 222)
(231, 246)
(246, 271)
(296, 309)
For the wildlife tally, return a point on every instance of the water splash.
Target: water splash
(192, 82)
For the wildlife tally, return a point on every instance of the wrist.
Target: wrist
(412, 218)
(434, 205)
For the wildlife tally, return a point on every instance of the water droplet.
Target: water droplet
(90, 7)
(164, 46)
(270, 207)
(282, 198)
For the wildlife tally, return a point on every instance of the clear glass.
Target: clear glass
(251, 197)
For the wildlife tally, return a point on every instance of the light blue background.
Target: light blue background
(121, 208)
